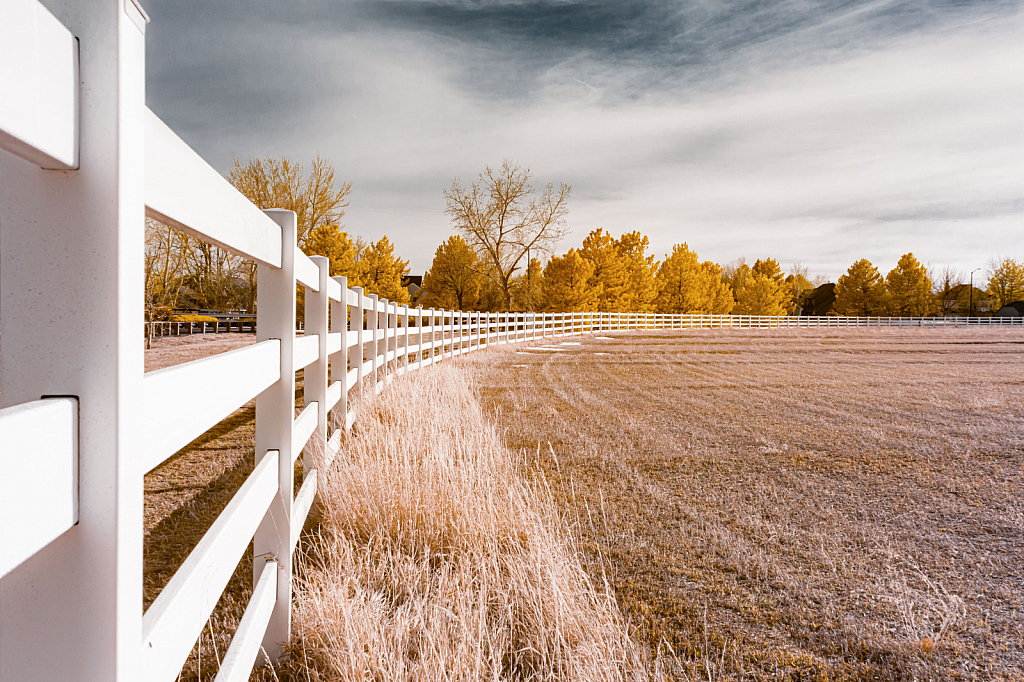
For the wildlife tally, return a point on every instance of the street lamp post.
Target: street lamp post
(970, 309)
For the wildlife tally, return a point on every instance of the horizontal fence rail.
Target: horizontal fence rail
(81, 423)
(39, 478)
(248, 325)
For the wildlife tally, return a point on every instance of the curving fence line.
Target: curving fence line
(653, 321)
(84, 162)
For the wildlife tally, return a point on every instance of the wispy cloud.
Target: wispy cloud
(812, 132)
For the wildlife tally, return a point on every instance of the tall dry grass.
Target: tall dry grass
(439, 557)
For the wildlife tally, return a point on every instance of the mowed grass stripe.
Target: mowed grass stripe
(829, 525)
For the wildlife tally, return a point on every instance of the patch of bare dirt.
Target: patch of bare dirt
(185, 494)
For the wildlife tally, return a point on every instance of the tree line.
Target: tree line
(501, 222)
(502, 258)
(614, 274)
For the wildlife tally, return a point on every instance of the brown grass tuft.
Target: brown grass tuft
(437, 558)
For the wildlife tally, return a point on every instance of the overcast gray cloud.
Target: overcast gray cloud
(818, 132)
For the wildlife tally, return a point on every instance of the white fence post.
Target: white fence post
(383, 326)
(314, 377)
(449, 326)
(390, 338)
(71, 282)
(433, 335)
(394, 312)
(373, 315)
(405, 337)
(356, 355)
(275, 420)
(339, 361)
(419, 337)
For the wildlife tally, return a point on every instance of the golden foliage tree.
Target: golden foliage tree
(381, 272)
(763, 291)
(735, 274)
(279, 183)
(1006, 281)
(453, 280)
(769, 268)
(641, 288)
(567, 285)
(529, 288)
(761, 295)
(688, 286)
(491, 298)
(861, 291)
(909, 288)
(610, 273)
(342, 251)
(503, 221)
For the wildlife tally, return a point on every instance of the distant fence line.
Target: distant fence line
(161, 329)
(587, 322)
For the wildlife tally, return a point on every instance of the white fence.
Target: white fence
(158, 330)
(85, 162)
(593, 322)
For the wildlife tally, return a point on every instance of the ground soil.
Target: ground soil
(185, 494)
(790, 504)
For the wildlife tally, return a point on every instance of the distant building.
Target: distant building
(959, 299)
(817, 301)
(414, 285)
(1015, 309)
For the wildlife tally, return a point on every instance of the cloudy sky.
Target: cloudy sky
(816, 132)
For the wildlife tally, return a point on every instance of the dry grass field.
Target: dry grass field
(776, 504)
(432, 557)
(790, 504)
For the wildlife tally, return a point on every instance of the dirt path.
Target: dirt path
(792, 503)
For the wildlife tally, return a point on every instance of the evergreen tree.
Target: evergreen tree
(528, 293)
(769, 268)
(909, 288)
(761, 295)
(641, 288)
(686, 285)
(343, 252)
(567, 283)
(381, 272)
(764, 291)
(861, 291)
(610, 273)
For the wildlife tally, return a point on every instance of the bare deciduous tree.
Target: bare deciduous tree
(948, 286)
(165, 257)
(280, 183)
(502, 220)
